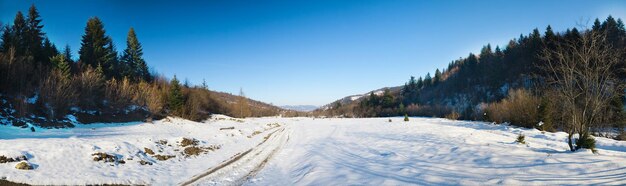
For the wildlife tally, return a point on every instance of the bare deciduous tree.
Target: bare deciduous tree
(243, 109)
(582, 73)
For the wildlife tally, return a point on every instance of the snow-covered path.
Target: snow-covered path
(435, 152)
(239, 168)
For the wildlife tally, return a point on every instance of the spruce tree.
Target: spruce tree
(18, 33)
(49, 50)
(7, 36)
(387, 99)
(34, 35)
(549, 37)
(132, 58)
(112, 66)
(1, 37)
(62, 65)
(67, 53)
(175, 98)
(99, 70)
(596, 25)
(428, 80)
(437, 78)
(545, 115)
(95, 46)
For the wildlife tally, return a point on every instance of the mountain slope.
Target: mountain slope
(467, 85)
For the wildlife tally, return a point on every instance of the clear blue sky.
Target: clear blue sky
(307, 52)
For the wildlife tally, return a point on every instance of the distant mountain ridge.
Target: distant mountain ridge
(302, 108)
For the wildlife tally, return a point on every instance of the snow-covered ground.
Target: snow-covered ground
(428, 151)
(307, 151)
(64, 156)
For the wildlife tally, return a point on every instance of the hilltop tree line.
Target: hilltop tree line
(99, 85)
(516, 83)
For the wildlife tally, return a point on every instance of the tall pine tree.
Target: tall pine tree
(7, 36)
(133, 60)
(96, 47)
(18, 33)
(67, 52)
(437, 78)
(428, 80)
(34, 36)
(48, 50)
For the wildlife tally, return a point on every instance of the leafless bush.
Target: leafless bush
(120, 94)
(57, 95)
(453, 116)
(90, 85)
(519, 108)
(151, 96)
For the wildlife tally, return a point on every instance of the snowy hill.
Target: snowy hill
(306, 151)
(358, 97)
(302, 108)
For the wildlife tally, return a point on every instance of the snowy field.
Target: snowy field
(307, 151)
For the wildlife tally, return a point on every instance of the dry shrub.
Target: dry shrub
(428, 110)
(152, 97)
(412, 109)
(519, 108)
(57, 95)
(19, 74)
(90, 85)
(453, 115)
(120, 94)
(195, 105)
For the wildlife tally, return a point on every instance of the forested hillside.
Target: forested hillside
(516, 83)
(41, 84)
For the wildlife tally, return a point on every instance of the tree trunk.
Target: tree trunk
(569, 142)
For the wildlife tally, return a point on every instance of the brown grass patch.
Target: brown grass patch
(148, 151)
(187, 142)
(163, 157)
(101, 156)
(193, 151)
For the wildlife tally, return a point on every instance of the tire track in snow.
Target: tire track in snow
(242, 161)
